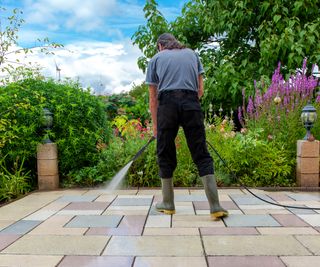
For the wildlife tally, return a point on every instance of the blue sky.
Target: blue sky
(95, 34)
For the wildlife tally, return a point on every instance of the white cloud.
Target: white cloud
(79, 15)
(104, 66)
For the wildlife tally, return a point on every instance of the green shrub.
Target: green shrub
(80, 125)
(255, 161)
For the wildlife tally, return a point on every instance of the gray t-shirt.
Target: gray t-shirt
(175, 69)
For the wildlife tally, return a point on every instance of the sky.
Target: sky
(96, 35)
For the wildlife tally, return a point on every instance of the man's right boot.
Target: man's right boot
(167, 204)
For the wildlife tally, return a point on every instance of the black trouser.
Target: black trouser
(181, 107)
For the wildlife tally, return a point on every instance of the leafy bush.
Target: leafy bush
(80, 125)
(134, 104)
(15, 182)
(254, 161)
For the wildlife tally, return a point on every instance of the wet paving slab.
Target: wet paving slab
(91, 227)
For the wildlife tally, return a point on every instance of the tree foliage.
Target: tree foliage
(252, 37)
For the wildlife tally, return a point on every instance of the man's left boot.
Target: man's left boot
(210, 187)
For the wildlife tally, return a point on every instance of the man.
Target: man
(174, 76)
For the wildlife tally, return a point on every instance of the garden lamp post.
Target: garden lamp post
(308, 118)
(47, 122)
(316, 74)
(47, 156)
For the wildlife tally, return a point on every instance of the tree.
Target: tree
(252, 37)
(9, 45)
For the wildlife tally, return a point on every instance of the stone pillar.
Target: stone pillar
(47, 161)
(308, 163)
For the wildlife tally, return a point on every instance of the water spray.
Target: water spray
(121, 174)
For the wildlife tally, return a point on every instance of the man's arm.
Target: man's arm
(200, 89)
(153, 105)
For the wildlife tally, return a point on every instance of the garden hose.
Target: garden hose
(142, 149)
(246, 188)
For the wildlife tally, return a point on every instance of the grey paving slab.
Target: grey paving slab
(96, 261)
(253, 246)
(182, 198)
(189, 246)
(250, 200)
(311, 242)
(304, 196)
(86, 198)
(204, 205)
(245, 261)
(279, 196)
(6, 240)
(132, 202)
(87, 206)
(58, 245)
(95, 221)
(20, 227)
(153, 211)
(240, 220)
(301, 211)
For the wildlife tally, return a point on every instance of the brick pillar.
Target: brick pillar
(47, 161)
(308, 163)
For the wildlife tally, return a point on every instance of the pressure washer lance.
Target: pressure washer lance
(120, 175)
(245, 187)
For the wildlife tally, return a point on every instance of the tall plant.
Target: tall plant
(277, 109)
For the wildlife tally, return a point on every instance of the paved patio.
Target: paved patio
(121, 228)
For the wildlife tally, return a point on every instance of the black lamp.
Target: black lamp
(47, 122)
(308, 118)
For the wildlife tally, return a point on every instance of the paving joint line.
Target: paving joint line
(204, 251)
(312, 254)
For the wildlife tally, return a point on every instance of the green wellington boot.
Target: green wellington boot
(167, 205)
(210, 187)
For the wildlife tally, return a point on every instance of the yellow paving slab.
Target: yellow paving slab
(186, 246)
(158, 221)
(29, 260)
(305, 261)
(56, 205)
(126, 210)
(170, 261)
(287, 231)
(267, 245)
(58, 245)
(311, 242)
(195, 221)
